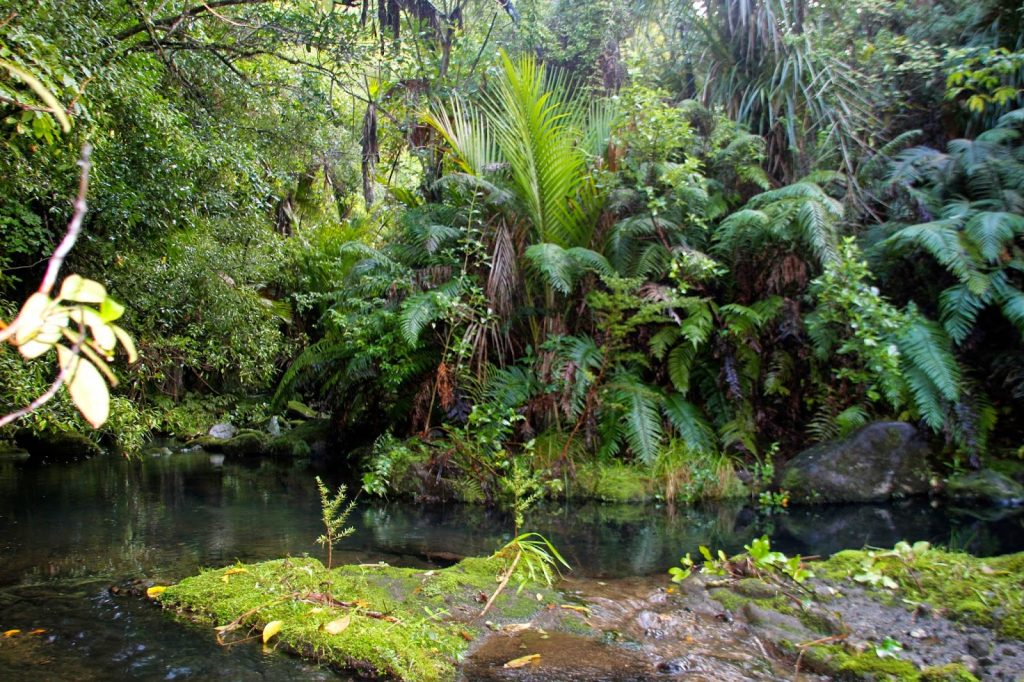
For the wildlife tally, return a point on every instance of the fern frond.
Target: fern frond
(691, 425)
(641, 418)
(959, 308)
(417, 312)
(924, 346)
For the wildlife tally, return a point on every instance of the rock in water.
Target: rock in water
(985, 487)
(877, 462)
(223, 431)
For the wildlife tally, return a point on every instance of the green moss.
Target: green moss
(612, 482)
(986, 591)
(407, 624)
(247, 443)
(951, 672)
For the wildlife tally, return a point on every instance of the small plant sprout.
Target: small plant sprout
(333, 515)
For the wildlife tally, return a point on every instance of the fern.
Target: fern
(925, 347)
(690, 424)
(641, 418)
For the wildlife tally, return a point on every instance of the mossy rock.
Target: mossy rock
(984, 591)
(400, 623)
(985, 487)
(878, 462)
(839, 663)
(308, 437)
(57, 446)
(247, 443)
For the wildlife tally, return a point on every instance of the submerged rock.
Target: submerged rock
(57, 446)
(877, 462)
(986, 487)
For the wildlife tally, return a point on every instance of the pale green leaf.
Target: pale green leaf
(86, 385)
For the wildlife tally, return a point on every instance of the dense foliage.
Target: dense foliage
(538, 235)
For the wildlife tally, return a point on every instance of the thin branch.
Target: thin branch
(54, 387)
(173, 20)
(74, 227)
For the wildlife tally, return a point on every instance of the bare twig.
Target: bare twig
(74, 227)
(501, 586)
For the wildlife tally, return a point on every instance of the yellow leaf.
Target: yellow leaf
(337, 626)
(271, 629)
(81, 290)
(155, 591)
(362, 603)
(86, 385)
(316, 609)
(522, 661)
(37, 631)
(233, 571)
(11, 633)
(31, 317)
(126, 342)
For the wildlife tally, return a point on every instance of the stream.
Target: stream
(69, 532)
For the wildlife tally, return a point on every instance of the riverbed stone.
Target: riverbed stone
(878, 462)
(987, 487)
(223, 431)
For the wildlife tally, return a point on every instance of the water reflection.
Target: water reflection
(68, 531)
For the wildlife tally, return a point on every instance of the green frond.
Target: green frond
(851, 419)
(662, 340)
(554, 264)
(417, 312)
(992, 230)
(941, 239)
(959, 308)
(691, 425)
(927, 400)
(924, 346)
(641, 420)
(590, 261)
(680, 360)
(1012, 305)
(699, 321)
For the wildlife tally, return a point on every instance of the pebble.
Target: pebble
(978, 646)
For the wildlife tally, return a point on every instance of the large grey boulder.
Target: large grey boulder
(877, 462)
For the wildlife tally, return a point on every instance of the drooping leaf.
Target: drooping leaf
(271, 629)
(86, 386)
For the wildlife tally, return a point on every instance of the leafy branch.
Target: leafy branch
(334, 517)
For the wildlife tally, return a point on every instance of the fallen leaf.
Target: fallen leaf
(465, 635)
(37, 631)
(573, 607)
(337, 626)
(515, 627)
(235, 570)
(522, 661)
(316, 609)
(362, 603)
(11, 633)
(156, 591)
(271, 629)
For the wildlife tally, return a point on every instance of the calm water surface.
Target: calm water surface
(67, 532)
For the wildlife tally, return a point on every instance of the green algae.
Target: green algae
(406, 624)
(984, 591)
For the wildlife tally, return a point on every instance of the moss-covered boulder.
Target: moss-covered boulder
(381, 621)
(985, 487)
(57, 446)
(878, 462)
(248, 443)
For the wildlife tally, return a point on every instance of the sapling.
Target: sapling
(334, 517)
